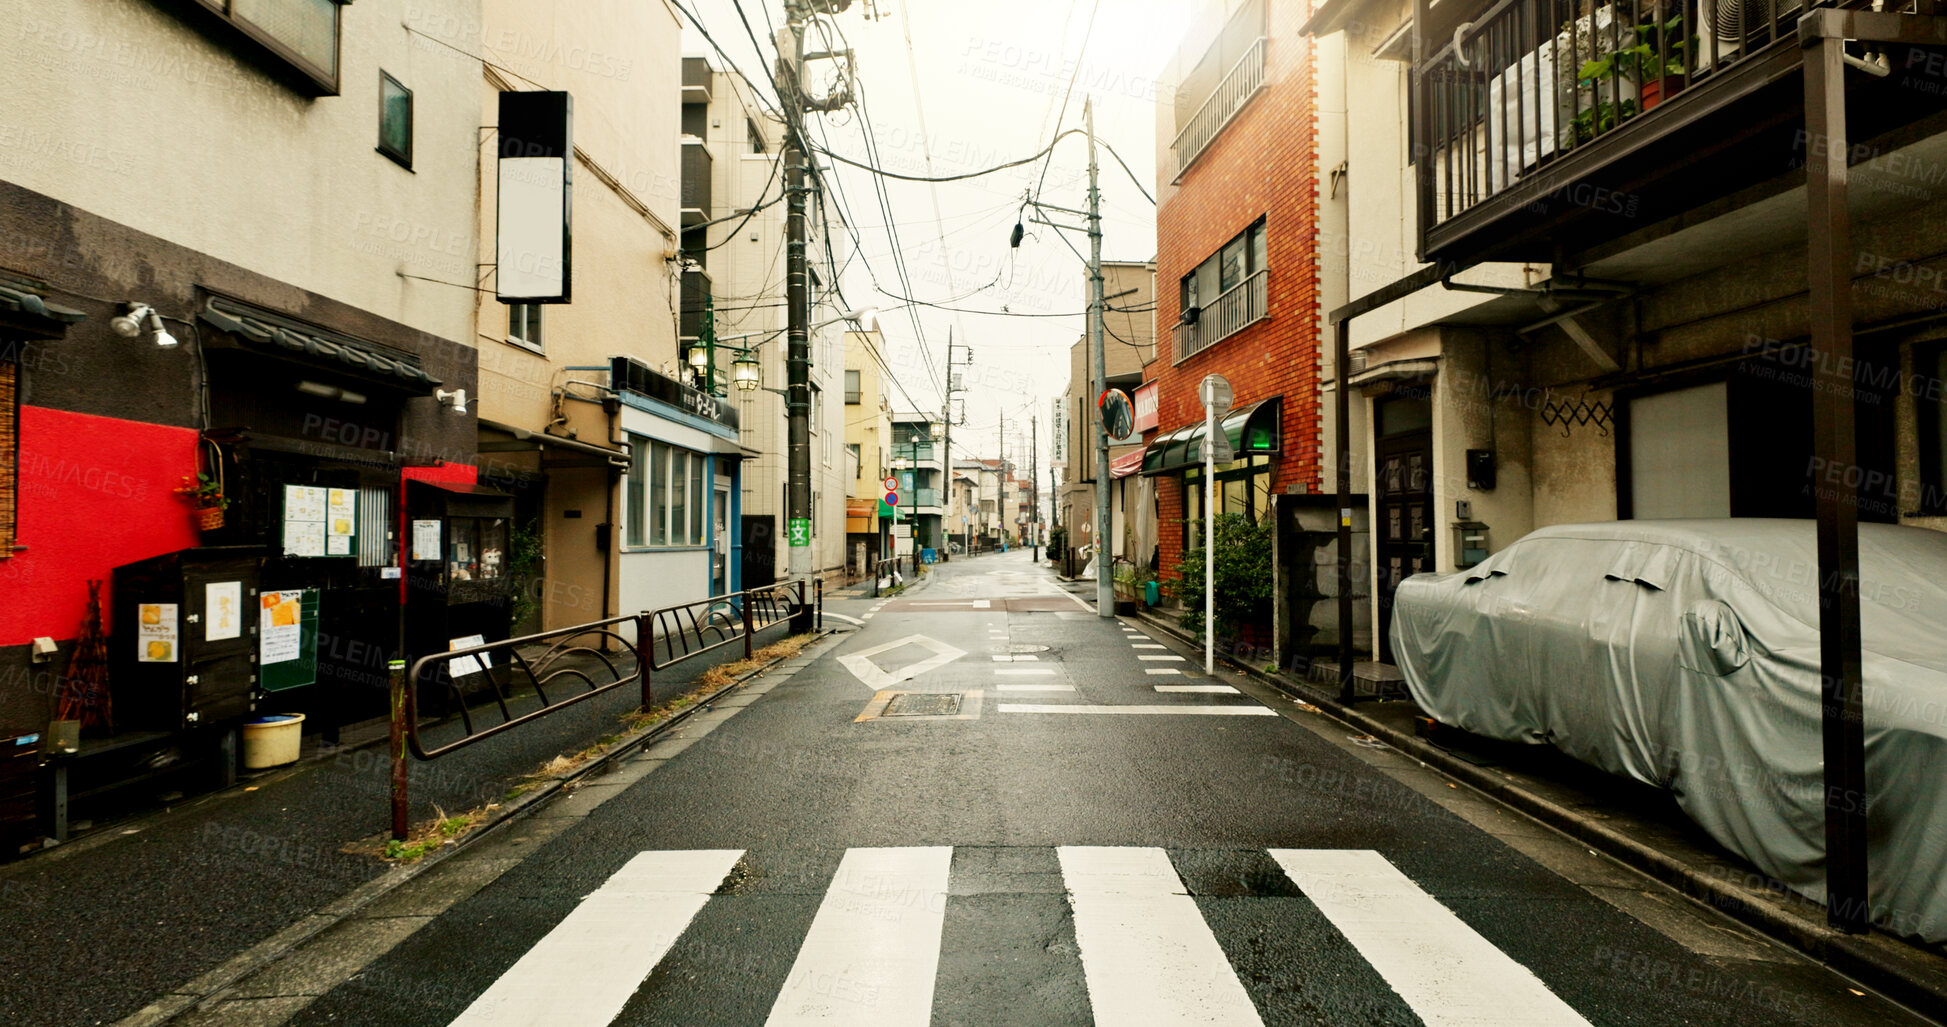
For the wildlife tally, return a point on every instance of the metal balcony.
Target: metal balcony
(1235, 309)
(1239, 84)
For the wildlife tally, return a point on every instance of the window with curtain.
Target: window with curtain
(638, 480)
(658, 494)
(668, 495)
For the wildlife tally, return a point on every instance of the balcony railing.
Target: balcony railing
(1231, 312)
(1531, 81)
(1239, 84)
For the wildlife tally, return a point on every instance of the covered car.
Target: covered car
(1685, 654)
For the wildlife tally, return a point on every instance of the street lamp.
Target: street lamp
(745, 372)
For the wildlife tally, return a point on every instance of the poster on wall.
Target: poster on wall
(319, 521)
(222, 610)
(155, 633)
(287, 639)
(425, 540)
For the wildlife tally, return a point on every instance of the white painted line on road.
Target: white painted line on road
(874, 947)
(585, 969)
(1024, 670)
(1206, 689)
(1159, 657)
(1004, 658)
(978, 604)
(1034, 688)
(1449, 975)
(1147, 954)
(1161, 670)
(861, 665)
(1147, 645)
(1205, 711)
(848, 620)
(863, 617)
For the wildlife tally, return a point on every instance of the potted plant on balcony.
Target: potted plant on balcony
(1656, 60)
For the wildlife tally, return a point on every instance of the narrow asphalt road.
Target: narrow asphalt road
(1069, 824)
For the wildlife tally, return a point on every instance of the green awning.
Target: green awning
(1252, 430)
(267, 332)
(25, 311)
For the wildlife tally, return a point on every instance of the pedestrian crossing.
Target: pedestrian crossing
(873, 952)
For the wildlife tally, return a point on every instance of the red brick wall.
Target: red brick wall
(1262, 164)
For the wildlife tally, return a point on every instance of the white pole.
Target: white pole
(1209, 539)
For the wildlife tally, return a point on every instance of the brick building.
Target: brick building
(1237, 280)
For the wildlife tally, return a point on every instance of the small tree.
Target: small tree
(1243, 577)
(1057, 542)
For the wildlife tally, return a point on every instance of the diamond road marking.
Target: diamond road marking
(861, 665)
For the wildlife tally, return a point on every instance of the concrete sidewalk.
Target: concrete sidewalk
(100, 927)
(1633, 823)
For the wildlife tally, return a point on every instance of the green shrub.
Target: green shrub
(1243, 577)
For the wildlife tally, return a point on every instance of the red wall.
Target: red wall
(1261, 165)
(95, 493)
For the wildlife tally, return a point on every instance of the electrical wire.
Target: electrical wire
(842, 159)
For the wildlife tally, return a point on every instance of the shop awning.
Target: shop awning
(24, 310)
(1252, 430)
(1127, 464)
(525, 440)
(270, 333)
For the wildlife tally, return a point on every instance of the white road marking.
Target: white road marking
(1017, 658)
(1449, 975)
(1159, 657)
(584, 970)
(1024, 671)
(874, 947)
(848, 620)
(1161, 670)
(978, 604)
(1209, 689)
(1147, 645)
(861, 665)
(1147, 954)
(1205, 711)
(1034, 688)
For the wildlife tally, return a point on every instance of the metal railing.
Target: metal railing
(1238, 85)
(1529, 81)
(577, 664)
(1234, 309)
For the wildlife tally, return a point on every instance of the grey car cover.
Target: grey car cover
(1685, 654)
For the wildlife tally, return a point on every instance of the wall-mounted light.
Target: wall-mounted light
(699, 357)
(139, 318)
(455, 398)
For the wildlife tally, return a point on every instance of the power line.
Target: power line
(842, 159)
(1125, 169)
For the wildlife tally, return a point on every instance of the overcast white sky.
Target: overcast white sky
(986, 80)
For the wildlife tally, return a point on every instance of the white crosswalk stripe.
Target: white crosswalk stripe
(1450, 975)
(873, 952)
(1149, 956)
(584, 970)
(878, 931)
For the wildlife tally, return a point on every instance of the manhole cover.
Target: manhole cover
(923, 704)
(1027, 648)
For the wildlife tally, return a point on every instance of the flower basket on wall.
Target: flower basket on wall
(209, 518)
(205, 491)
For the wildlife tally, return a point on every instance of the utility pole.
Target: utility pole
(946, 450)
(1034, 488)
(1104, 583)
(797, 289)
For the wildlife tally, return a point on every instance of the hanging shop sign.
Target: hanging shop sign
(533, 215)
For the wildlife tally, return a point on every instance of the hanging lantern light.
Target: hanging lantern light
(699, 357)
(745, 373)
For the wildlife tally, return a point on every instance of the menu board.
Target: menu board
(320, 521)
(425, 540)
(222, 610)
(156, 637)
(287, 639)
(461, 666)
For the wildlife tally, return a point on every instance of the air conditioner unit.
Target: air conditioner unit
(1190, 314)
(1728, 29)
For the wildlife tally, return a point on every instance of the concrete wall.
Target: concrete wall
(136, 114)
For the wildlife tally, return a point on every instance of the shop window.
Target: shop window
(666, 496)
(9, 455)
(303, 34)
(395, 120)
(1243, 487)
(524, 324)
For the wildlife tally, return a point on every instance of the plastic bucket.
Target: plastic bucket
(272, 741)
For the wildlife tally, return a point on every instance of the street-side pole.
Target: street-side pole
(1034, 488)
(797, 294)
(1209, 539)
(946, 453)
(1104, 583)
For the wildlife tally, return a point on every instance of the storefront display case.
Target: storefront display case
(458, 588)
